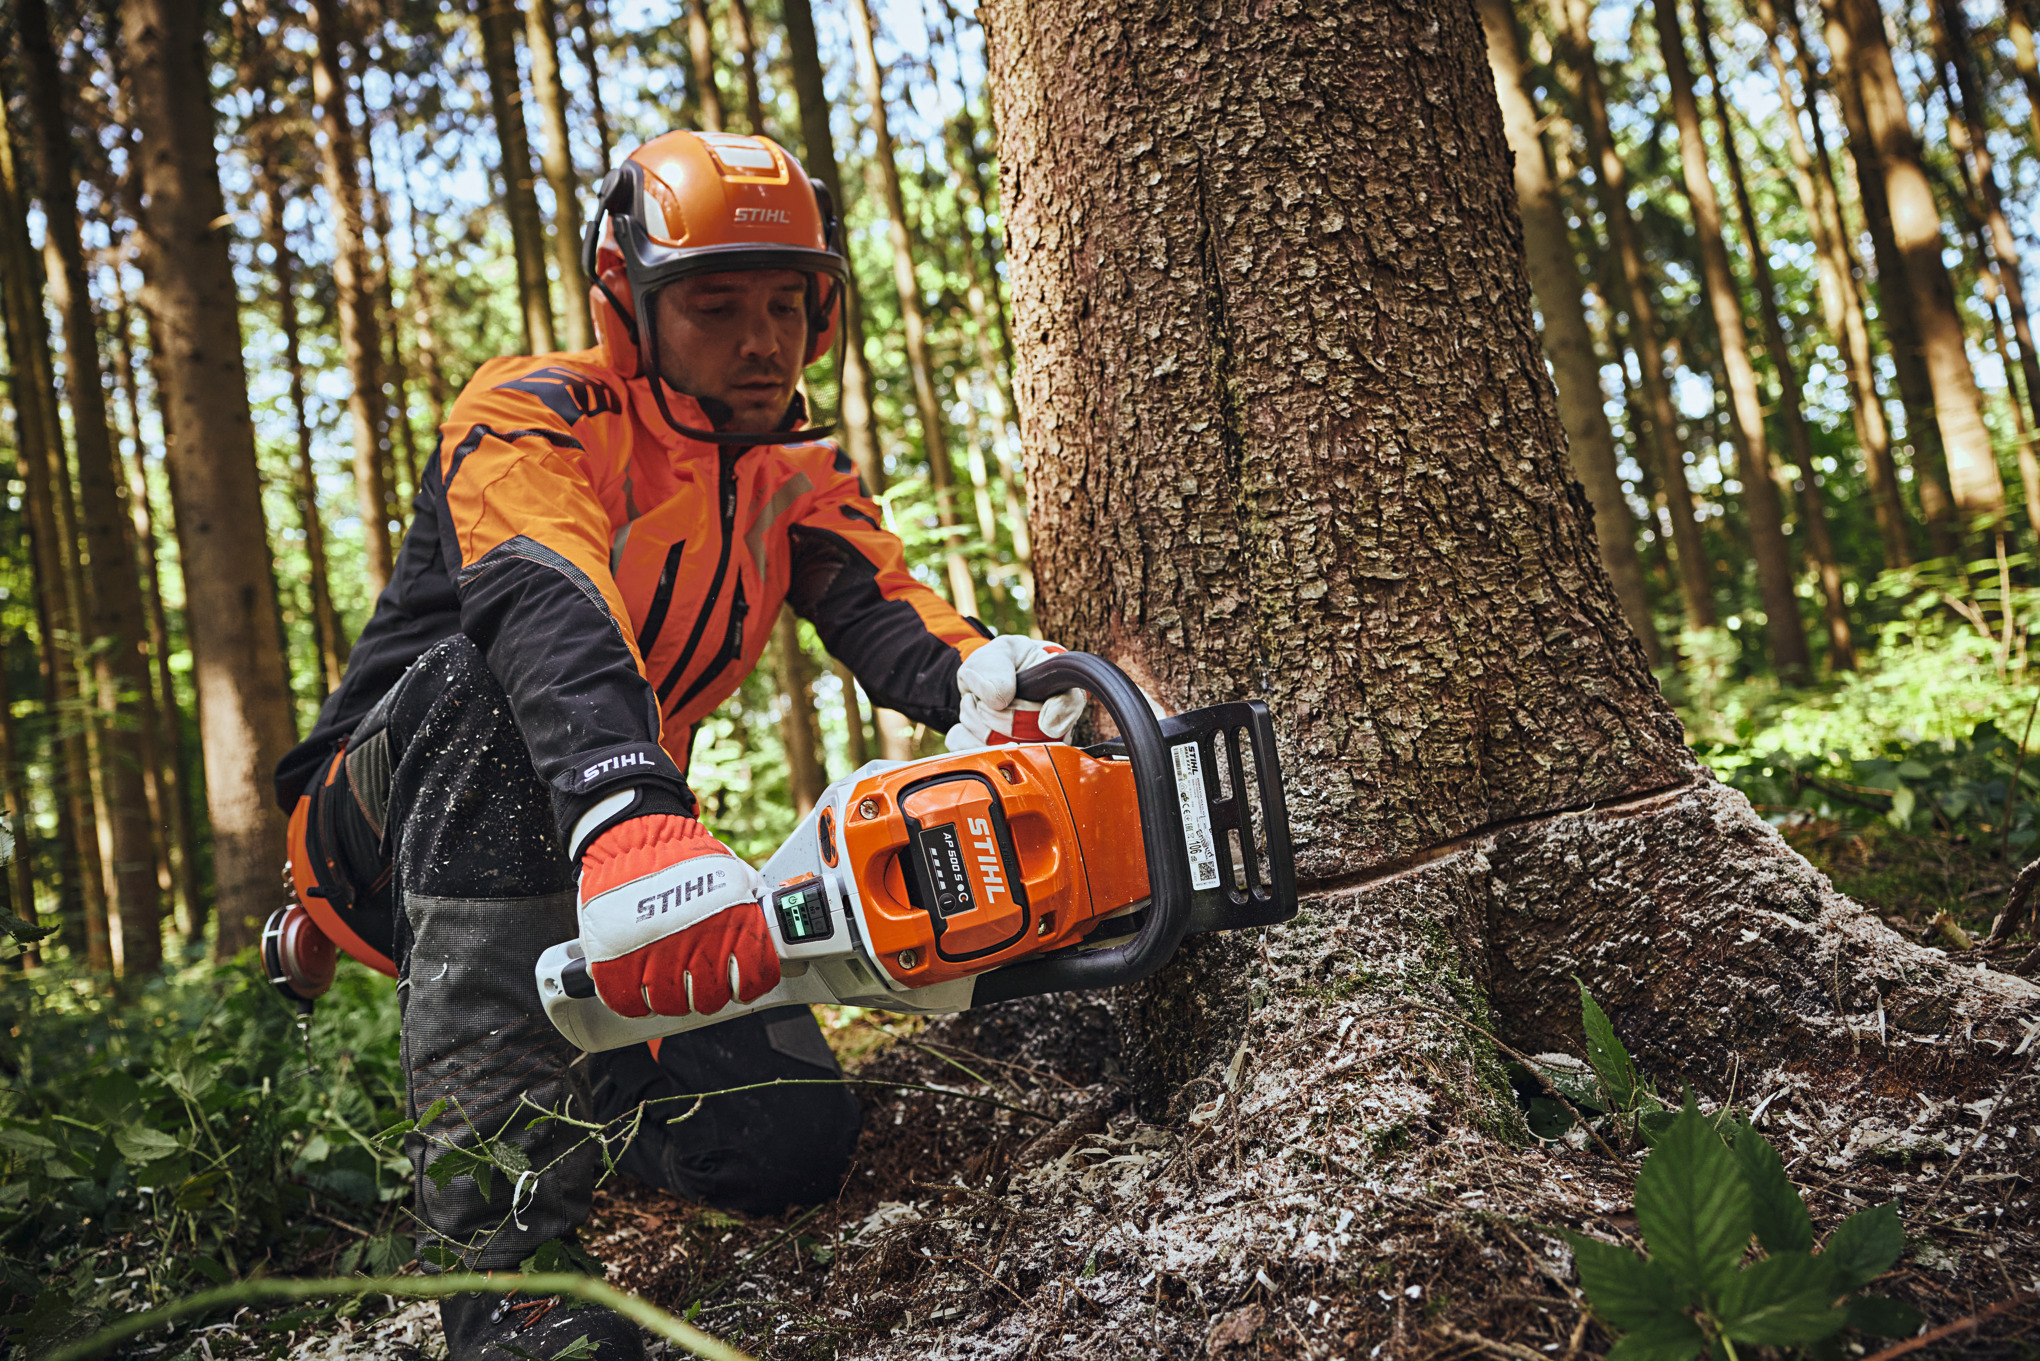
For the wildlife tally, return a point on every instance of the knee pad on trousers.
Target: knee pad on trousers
(756, 1151)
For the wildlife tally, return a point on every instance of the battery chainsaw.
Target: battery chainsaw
(955, 881)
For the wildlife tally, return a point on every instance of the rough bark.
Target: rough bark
(701, 47)
(41, 463)
(1897, 311)
(884, 170)
(1841, 300)
(244, 710)
(1568, 344)
(499, 22)
(112, 597)
(354, 285)
(541, 34)
(1639, 290)
(853, 372)
(1820, 550)
(805, 775)
(1772, 555)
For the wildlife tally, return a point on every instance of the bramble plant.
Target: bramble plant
(1704, 1191)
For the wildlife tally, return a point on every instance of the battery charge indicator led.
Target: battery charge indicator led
(803, 910)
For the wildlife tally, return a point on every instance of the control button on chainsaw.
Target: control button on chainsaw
(803, 911)
(826, 831)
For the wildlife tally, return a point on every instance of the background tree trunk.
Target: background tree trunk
(20, 879)
(1695, 586)
(244, 710)
(701, 47)
(499, 22)
(353, 283)
(1783, 628)
(541, 35)
(805, 777)
(746, 43)
(1555, 279)
(884, 167)
(585, 15)
(112, 597)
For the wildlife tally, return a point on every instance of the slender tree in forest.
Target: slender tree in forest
(40, 451)
(885, 172)
(1783, 628)
(424, 316)
(746, 43)
(113, 600)
(354, 287)
(1813, 512)
(244, 708)
(499, 23)
(402, 461)
(1841, 300)
(1335, 485)
(2018, 19)
(1555, 279)
(14, 806)
(541, 35)
(856, 747)
(805, 777)
(585, 15)
(1897, 312)
(1570, 21)
(701, 47)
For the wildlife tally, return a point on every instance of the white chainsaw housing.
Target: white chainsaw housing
(834, 969)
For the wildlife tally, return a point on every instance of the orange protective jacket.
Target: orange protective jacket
(622, 579)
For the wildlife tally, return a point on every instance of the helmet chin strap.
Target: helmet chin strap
(805, 435)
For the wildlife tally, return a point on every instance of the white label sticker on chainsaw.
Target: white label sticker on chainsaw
(1196, 816)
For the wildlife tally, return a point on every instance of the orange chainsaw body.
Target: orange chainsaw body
(986, 857)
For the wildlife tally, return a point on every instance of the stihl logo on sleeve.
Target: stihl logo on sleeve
(762, 215)
(615, 763)
(991, 871)
(700, 886)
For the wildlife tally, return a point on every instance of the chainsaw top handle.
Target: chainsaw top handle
(1161, 827)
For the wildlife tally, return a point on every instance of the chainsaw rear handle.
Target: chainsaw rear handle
(1161, 828)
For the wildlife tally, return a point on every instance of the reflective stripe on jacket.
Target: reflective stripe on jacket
(622, 579)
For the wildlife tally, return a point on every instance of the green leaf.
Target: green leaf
(1777, 1210)
(23, 932)
(563, 1255)
(1783, 1301)
(387, 1253)
(22, 1142)
(1547, 1119)
(140, 1144)
(1864, 1247)
(1676, 1338)
(1693, 1204)
(1626, 1291)
(1881, 1317)
(1605, 1054)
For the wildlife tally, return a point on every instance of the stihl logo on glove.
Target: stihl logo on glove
(698, 887)
(671, 921)
(614, 763)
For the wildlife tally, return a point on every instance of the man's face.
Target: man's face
(738, 338)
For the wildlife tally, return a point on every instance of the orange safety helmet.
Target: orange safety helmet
(688, 203)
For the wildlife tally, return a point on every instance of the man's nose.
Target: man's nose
(761, 337)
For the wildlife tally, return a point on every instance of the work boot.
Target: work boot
(489, 1327)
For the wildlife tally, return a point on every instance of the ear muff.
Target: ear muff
(825, 311)
(616, 329)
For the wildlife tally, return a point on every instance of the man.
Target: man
(599, 553)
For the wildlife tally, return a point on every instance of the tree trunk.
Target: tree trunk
(1336, 481)
(14, 805)
(1897, 312)
(403, 449)
(853, 373)
(499, 22)
(701, 47)
(326, 632)
(353, 283)
(1555, 279)
(541, 34)
(244, 709)
(585, 15)
(856, 745)
(805, 777)
(424, 318)
(747, 61)
(1570, 20)
(934, 438)
(1783, 628)
(1820, 550)
(1841, 302)
(113, 598)
(46, 479)
(1916, 231)
(2025, 62)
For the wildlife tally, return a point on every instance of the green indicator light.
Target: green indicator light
(803, 913)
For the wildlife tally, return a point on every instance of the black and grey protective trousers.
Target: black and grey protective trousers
(439, 818)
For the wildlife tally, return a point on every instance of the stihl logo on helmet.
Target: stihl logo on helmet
(763, 215)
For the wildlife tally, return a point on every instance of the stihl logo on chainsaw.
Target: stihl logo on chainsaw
(623, 762)
(763, 215)
(991, 870)
(700, 886)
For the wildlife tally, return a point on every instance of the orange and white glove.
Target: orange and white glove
(989, 715)
(671, 920)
